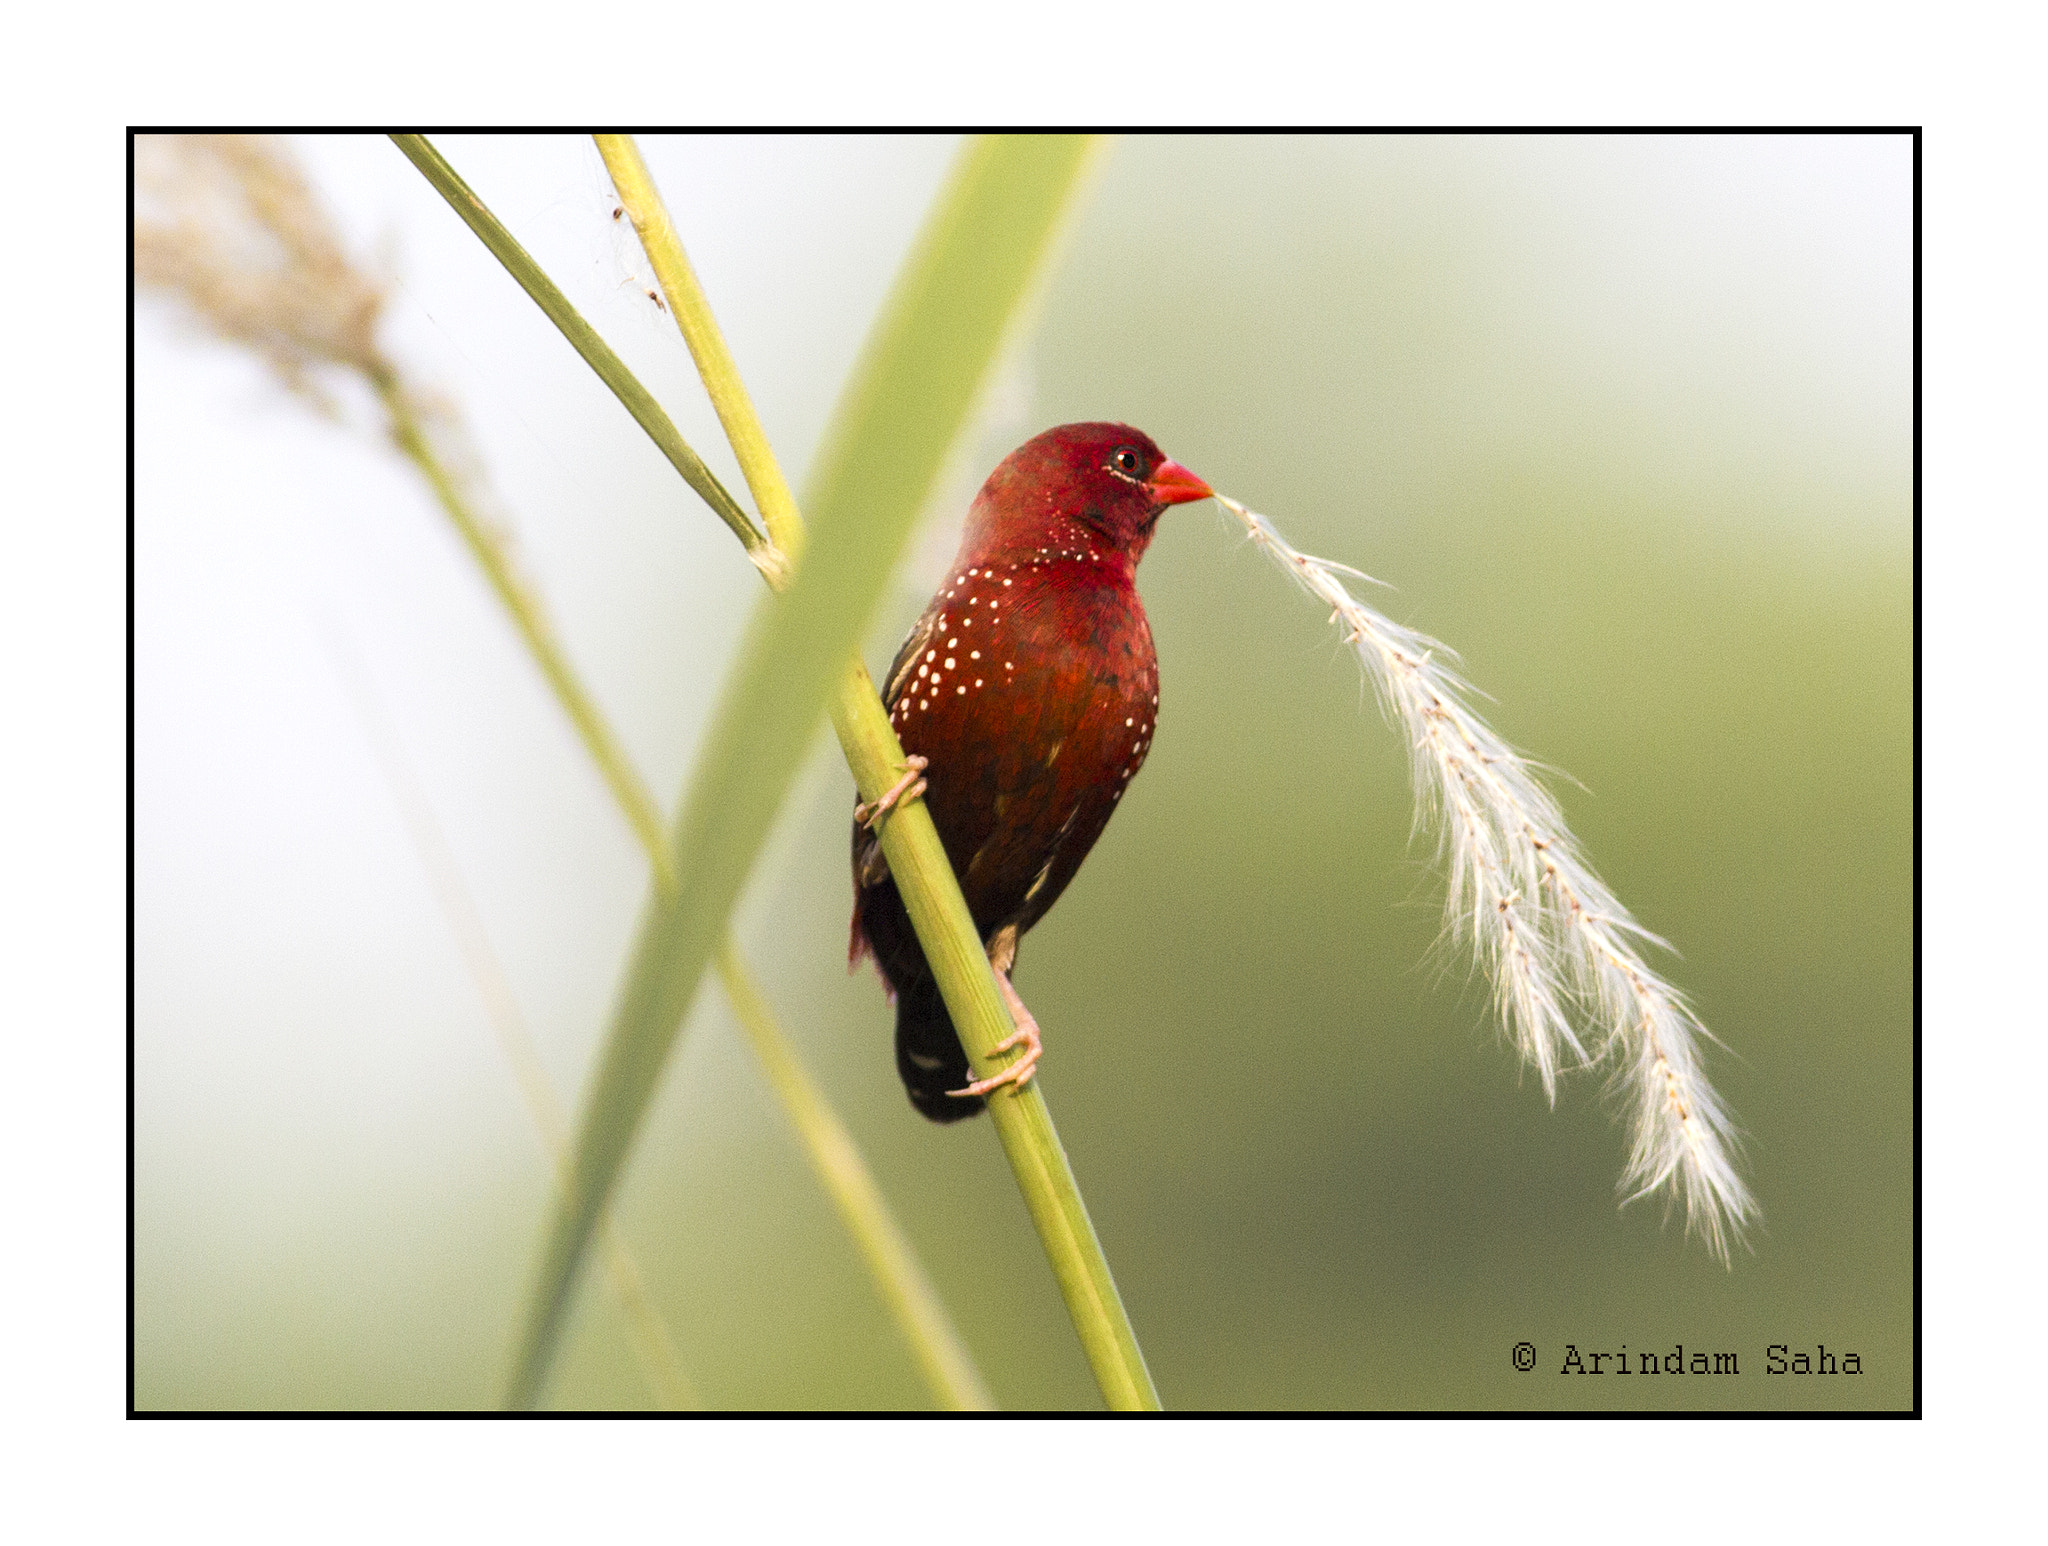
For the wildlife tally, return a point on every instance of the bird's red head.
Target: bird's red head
(1080, 487)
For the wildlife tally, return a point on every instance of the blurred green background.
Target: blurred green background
(1626, 421)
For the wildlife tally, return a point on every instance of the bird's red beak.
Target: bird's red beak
(1173, 484)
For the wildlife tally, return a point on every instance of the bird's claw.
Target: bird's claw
(1018, 1073)
(1002, 954)
(908, 787)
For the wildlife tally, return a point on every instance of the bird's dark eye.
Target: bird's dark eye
(1126, 460)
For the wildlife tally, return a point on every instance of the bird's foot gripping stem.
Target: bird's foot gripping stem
(1002, 955)
(908, 787)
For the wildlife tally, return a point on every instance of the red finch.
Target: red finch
(1025, 699)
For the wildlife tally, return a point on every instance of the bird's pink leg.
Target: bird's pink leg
(1002, 955)
(908, 787)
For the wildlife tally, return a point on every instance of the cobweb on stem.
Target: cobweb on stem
(1558, 947)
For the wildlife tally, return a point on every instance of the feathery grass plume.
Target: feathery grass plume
(228, 222)
(229, 225)
(1554, 941)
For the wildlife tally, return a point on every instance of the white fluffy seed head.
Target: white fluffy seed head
(1557, 945)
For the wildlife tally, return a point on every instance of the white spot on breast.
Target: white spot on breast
(977, 681)
(974, 654)
(931, 654)
(924, 670)
(1130, 721)
(960, 690)
(949, 658)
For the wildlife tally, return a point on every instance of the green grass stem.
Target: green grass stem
(528, 616)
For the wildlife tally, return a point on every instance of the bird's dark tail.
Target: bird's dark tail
(929, 1055)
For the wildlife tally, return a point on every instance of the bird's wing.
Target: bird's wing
(906, 657)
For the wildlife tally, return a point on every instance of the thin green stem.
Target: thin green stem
(941, 1356)
(911, 843)
(596, 352)
(627, 787)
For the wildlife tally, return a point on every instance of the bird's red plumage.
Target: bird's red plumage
(1031, 686)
